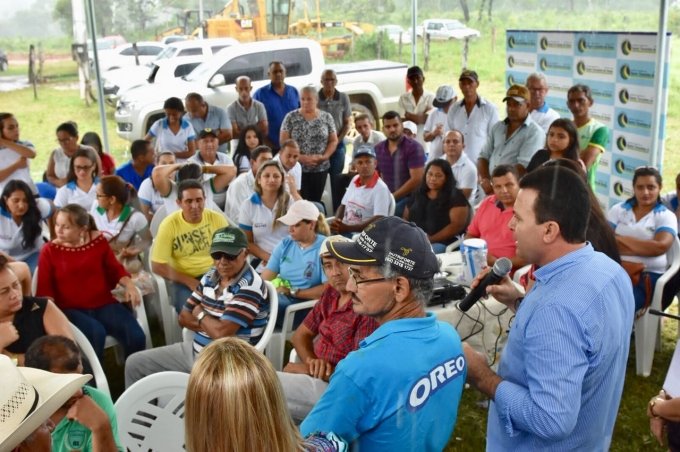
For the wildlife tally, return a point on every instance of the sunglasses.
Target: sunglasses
(225, 256)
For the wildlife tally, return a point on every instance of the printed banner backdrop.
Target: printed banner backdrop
(620, 69)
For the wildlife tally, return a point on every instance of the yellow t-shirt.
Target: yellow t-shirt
(186, 246)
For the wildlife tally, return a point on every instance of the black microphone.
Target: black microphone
(664, 314)
(499, 270)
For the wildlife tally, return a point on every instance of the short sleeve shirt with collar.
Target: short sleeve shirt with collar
(277, 106)
(364, 201)
(130, 220)
(217, 118)
(465, 173)
(337, 106)
(72, 194)
(436, 116)
(544, 116)
(295, 171)
(475, 127)
(11, 234)
(394, 168)
(301, 267)
(239, 191)
(245, 117)
(8, 157)
(244, 302)
(149, 196)
(311, 135)
(129, 175)
(259, 219)
(374, 138)
(490, 223)
(660, 219)
(407, 103)
(166, 140)
(515, 150)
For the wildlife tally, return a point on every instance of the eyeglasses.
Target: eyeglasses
(82, 168)
(357, 282)
(225, 256)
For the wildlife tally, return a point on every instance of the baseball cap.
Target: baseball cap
(300, 210)
(390, 241)
(443, 96)
(364, 149)
(323, 249)
(410, 125)
(28, 397)
(207, 131)
(230, 240)
(468, 74)
(520, 93)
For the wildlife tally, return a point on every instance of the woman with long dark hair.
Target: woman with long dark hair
(21, 219)
(250, 138)
(438, 207)
(561, 143)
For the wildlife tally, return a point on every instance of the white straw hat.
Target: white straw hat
(28, 397)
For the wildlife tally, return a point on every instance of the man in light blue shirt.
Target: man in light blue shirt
(512, 141)
(561, 375)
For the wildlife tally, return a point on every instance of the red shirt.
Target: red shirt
(338, 330)
(491, 224)
(108, 164)
(81, 277)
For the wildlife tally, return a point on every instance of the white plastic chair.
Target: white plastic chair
(88, 352)
(393, 205)
(647, 331)
(151, 413)
(140, 315)
(521, 272)
(156, 220)
(171, 329)
(273, 297)
(277, 344)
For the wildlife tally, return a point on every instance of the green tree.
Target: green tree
(63, 13)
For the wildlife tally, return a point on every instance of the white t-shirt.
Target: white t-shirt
(72, 194)
(8, 157)
(407, 103)
(436, 116)
(465, 173)
(11, 234)
(374, 138)
(110, 228)
(362, 202)
(296, 171)
(222, 159)
(660, 219)
(170, 201)
(257, 218)
(239, 191)
(166, 140)
(148, 195)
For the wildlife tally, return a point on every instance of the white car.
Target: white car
(126, 55)
(176, 60)
(445, 29)
(393, 32)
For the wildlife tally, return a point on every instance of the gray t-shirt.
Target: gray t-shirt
(243, 117)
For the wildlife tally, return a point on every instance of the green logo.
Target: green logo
(621, 143)
(618, 188)
(625, 72)
(511, 42)
(581, 67)
(544, 43)
(511, 61)
(582, 45)
(623, 120)
(620, 166)
(624, 97)
(626, 47)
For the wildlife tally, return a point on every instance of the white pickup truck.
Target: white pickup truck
(373, 87)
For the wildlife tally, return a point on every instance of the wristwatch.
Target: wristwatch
(293, 291)
(200, 316)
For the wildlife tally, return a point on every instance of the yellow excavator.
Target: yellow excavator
(255, 20)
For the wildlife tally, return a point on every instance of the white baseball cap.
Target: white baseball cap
(300, 210)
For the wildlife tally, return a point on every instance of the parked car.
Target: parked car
(135, 54)
(394, 32)
(176, 60)
(445, 29)
(372, 86)
(4, 63)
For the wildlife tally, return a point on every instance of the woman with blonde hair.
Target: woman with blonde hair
(234, 403)
(294, 266)
(260, 212)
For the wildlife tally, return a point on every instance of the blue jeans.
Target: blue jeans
(439, 248)
(337, 162)
(178, 293)
(113, 319)
(639, 290)
(400, 206)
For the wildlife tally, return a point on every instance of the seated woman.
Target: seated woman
(173, 132)
(23, 318)
(561, 143)
(295, 263)
(645, 230)
(15, 154)
(79, 270)
(250, 138)
(232, 385)
(125, 227)
(436, 195)
(92, 140)
(21, 220)
(259, 214)
(81, 186)
(59, 162)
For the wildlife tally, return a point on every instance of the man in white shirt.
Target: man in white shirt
(464, 170)
(367, 197)
(474, 116)
(244, 185)
(207, 155)
(366, 134)
(416, 103)
(540, 112)
(289, 156)
(436, 125)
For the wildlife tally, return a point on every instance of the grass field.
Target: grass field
(59, 101)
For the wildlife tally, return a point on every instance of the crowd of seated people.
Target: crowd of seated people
(225, 222)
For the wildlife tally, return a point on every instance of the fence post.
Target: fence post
(426, 50)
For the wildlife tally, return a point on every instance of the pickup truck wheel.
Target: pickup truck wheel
(358, 109)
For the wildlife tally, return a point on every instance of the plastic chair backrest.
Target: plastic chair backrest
(156, 221)
(88, 352)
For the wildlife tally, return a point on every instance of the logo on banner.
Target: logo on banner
(582, 45)
(511, 80)
(621, 143)
(581, 67)
(511, 42)
(544, 43)
(618, 188)
(624, 96)
(625, 72)
(622, 120)
(626, 47)
(511, 61)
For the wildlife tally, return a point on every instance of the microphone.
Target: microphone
(499, 270)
